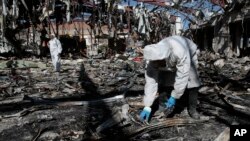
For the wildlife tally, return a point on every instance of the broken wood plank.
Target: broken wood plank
(225, 88)
(76, 103)
(237, 106)
(40, 131)
(119, 117)
(6, 85)
(229, 95)
(224, 113)
(136, 104)
(241, 93)
(224, 136)
(69, 86)
(44, 85)
(116, 119)
(165, 124)
(12, 100)
(170, 139)
(26, 111)
(30, 101)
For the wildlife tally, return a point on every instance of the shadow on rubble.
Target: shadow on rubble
(107, 126)
(247, 77)
(159, 104)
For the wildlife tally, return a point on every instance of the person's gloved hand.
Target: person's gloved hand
(145, 113)
(169, 106)
(171, 102)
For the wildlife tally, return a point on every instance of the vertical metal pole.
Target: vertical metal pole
(79, 22)
(129, 28)
(28, 36)
(2, 20)
(83, 24)
(48, 20)
(2, 30)
(33, 27)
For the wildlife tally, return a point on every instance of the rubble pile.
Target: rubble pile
(33, 95)
(98, 93)
(100, 99)
(78, 77)
(225, 93)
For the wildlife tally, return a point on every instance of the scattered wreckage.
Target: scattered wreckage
(98, 97)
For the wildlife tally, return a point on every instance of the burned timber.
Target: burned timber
(99, 91)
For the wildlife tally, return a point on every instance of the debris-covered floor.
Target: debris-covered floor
(97, 99)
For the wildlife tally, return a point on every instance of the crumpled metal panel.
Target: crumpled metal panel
(219, 2)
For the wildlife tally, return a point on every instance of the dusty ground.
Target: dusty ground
(79, 103)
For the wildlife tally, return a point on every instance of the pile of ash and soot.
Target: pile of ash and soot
(97, 99)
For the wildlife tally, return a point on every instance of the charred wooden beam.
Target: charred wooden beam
(224, 136)
(164, 124)
(13, 103)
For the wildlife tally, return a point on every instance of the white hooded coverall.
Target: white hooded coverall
(55, 48)
(181, 59)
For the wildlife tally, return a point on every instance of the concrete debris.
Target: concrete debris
(21, 64)
(219, 63)
(108, 93)
(224, 136)
(49, 136)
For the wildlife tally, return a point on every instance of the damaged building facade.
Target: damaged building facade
(83, 23)
(226, 34)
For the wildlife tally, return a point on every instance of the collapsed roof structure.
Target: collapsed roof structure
(188, 17)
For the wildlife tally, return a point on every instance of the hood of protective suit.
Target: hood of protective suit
(157, 51)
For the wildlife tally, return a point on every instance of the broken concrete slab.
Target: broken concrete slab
(21, 64)
(219, 63)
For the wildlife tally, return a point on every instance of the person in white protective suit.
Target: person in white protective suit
(55, 48)
(180, 61)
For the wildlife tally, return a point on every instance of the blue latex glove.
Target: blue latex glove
(144, 115)
(171, 102)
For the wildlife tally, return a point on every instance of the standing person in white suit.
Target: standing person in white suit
(179, 55)
(55, 48)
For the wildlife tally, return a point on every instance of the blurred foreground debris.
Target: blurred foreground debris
(100, 99)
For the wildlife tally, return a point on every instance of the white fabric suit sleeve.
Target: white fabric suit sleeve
(59, 46)
(195, 59)
(182, 75)
(151, 86)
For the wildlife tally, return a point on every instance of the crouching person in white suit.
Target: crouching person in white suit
(55, 48)
(179, 55)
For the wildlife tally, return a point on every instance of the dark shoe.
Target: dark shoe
(192, 103)
(194, 114)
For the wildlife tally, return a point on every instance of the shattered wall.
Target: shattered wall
(229, 34)
(221, 40)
